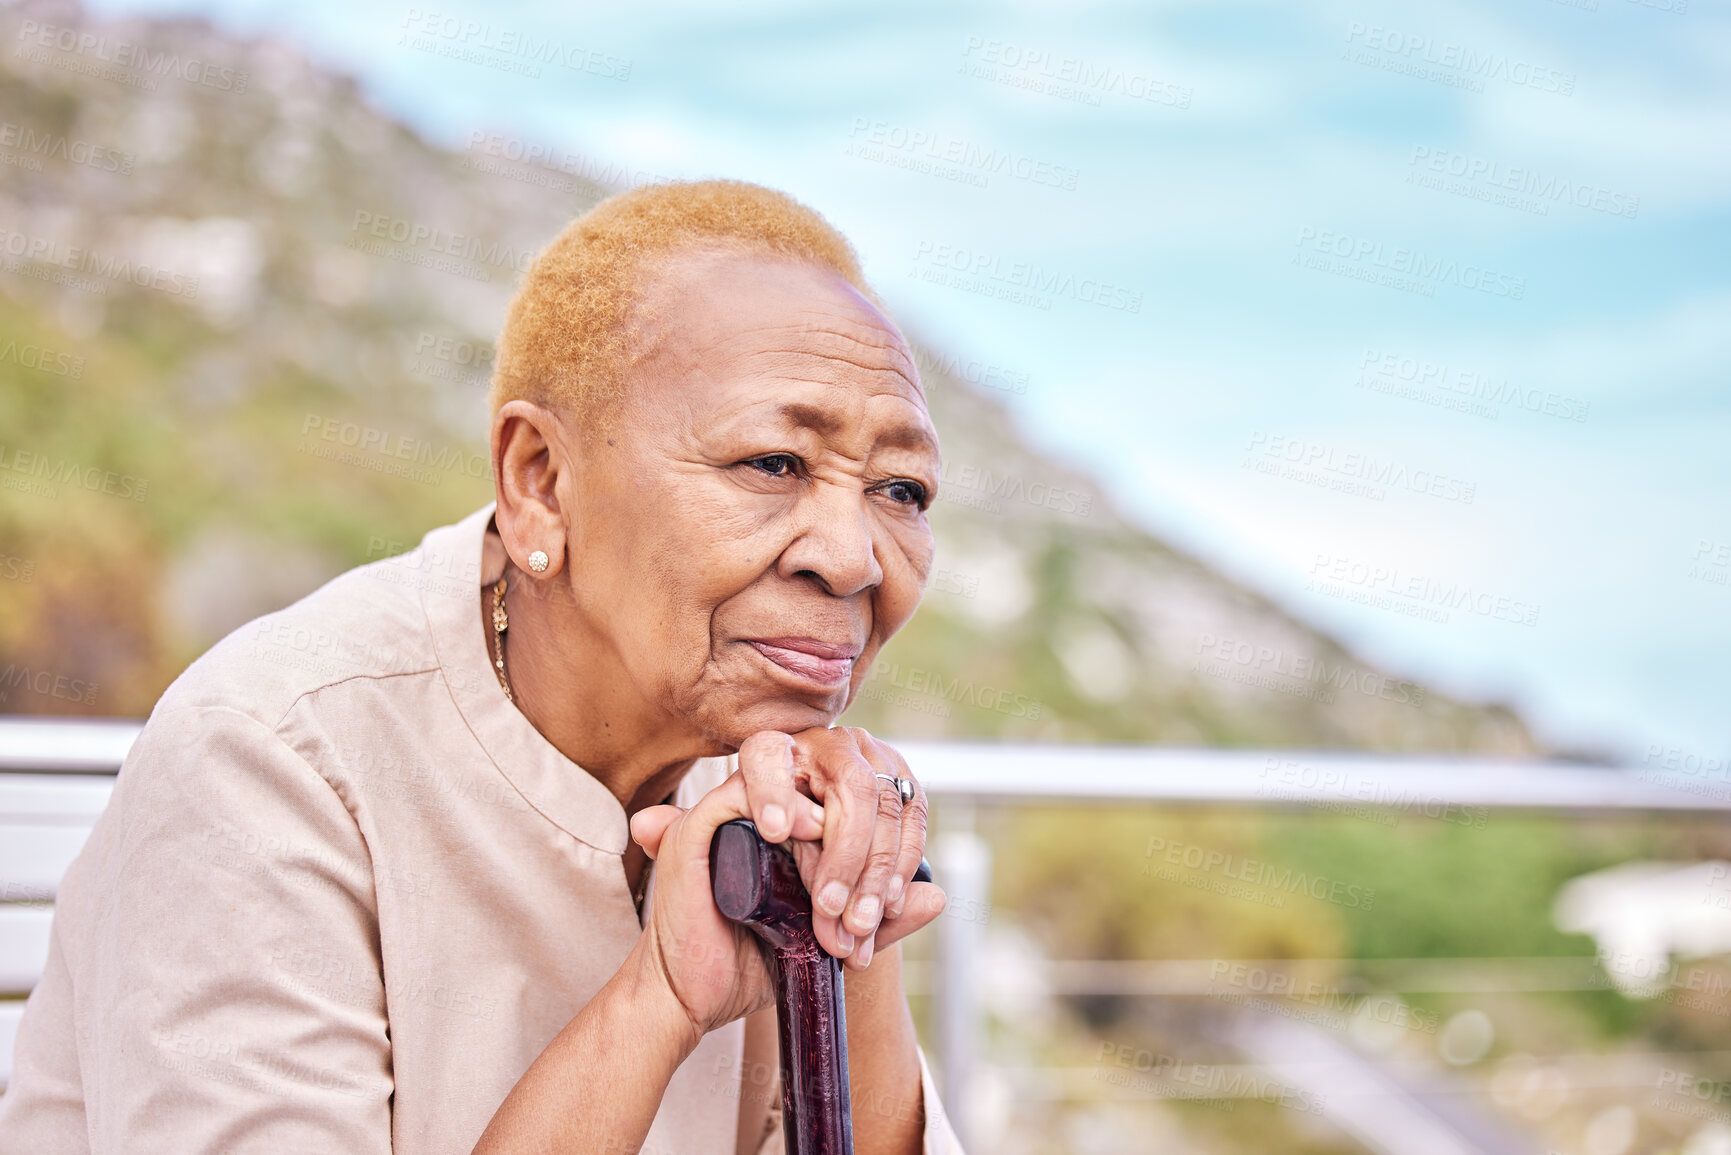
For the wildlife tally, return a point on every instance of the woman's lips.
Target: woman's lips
(822, 662)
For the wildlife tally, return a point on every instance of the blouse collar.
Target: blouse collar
(455, 565)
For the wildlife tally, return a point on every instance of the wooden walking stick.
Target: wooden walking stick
(758, 885)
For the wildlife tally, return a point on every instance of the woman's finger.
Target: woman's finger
(777, 807)
(879, 883)
(886, 759)
(649, 826)
(913, 849)
(923, 903)
(722, 804)
(841, 778)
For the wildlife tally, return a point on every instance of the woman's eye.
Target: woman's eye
(906, 492)
(777, 464)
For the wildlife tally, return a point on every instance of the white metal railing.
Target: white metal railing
(35, 754)
(960, 775)
(65, 745)
(1004, 772)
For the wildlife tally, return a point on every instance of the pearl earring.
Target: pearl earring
(538, 562)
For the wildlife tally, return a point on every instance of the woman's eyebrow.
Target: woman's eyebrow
(909, 437)
(814, 417)
(824, 423)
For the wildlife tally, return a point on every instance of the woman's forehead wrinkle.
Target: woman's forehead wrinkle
(754, 354)
(828, 368)
(842, 331)
(746, 369)
(868, 346)
(716, 324)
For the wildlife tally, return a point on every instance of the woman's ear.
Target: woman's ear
(532, 470)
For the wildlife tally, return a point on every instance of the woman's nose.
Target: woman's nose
(836, 543)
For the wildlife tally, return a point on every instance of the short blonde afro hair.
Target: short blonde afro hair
(567, 339)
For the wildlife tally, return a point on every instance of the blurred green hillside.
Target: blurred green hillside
(292, 392)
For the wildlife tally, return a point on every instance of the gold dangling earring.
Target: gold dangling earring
(501, 623)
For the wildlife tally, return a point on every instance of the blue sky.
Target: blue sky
(1341, 220)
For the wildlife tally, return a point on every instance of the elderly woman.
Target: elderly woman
(376, 875)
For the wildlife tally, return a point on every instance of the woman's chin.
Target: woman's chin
(787, 715)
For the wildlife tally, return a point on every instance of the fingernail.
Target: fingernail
(844, 939)
(866, 910)
(832, 898)
(864, 954)
(896, 888)
(774, 822)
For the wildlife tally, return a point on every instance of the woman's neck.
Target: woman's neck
(572, 688)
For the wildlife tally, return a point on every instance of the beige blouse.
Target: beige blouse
(342, 897)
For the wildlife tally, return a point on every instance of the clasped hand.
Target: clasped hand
(857, 846)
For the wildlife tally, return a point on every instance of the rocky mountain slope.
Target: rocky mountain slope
(245, 325)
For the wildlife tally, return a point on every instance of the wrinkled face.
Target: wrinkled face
(753, 527)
